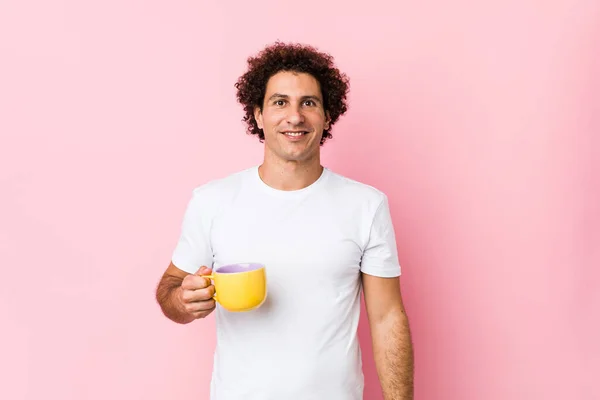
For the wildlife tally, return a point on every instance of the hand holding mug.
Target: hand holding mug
(197, 294)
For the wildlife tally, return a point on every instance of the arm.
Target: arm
(184, 297)
(392, 345)
(182, 293)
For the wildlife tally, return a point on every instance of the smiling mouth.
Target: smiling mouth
(295, 133)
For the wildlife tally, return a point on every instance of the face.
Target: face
(293, 117)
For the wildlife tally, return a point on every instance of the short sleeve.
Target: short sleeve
(193, 248)
(380, 256)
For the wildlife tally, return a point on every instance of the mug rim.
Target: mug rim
(252, 266)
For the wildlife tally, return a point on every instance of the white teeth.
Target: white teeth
(294, 133)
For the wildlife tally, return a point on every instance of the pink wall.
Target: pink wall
(481, 120)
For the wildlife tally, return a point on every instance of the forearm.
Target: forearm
(393, 353)
(167, 294)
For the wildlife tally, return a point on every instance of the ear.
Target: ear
(327, 120)
(258, 117)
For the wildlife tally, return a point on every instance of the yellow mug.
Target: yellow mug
(240, 287)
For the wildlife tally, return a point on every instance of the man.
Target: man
(323, 238)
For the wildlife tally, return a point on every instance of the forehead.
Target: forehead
(293, 84)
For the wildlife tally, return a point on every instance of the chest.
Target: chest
(295, 240)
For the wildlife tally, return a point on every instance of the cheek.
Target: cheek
(317, 119)
(271, 119)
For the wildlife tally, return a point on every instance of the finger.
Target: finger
(194, 282)
(203, 270)
(202, 314)
(204, 294)
(199, 306)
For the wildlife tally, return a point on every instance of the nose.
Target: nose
(295, 116)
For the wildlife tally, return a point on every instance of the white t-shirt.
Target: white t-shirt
(302, 342)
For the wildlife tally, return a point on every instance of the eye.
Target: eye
(279, 102)
(309, 103)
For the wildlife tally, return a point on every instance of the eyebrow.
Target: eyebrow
(285, 96)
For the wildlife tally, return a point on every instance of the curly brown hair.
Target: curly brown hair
(252, 85)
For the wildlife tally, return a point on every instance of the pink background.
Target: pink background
(481, 120)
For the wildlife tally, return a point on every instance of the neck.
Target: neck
(290, 175)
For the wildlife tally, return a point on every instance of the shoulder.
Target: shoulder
(355, 191)
(214, 192)
(218, 186)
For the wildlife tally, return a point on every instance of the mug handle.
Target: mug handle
(211, 276)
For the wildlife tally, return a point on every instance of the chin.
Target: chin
(300, 156)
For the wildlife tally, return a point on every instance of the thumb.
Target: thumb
(204, 270)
